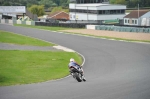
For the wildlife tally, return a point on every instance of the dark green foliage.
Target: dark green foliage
(132, 3)
(28, 3)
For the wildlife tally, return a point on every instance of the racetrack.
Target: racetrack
(114, 70)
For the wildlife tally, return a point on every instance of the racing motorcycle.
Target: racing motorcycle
(76, 73)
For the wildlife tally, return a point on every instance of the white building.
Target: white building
(138, 17)
(94, 11)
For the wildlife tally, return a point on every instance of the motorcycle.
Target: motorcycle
(77, 74)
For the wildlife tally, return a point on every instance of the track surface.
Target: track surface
(114, 70)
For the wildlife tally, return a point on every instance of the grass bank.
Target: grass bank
(7, 37)
(44, 27)
(24, 67)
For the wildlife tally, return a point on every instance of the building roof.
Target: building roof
(134, 14)
(96, 5)
(59, 15)
(91, 4)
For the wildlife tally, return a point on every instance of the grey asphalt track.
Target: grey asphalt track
(114, 70)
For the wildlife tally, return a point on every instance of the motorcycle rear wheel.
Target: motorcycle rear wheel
(78, 77)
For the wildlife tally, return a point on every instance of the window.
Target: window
(104, 12)
(107, 12)
(118, 11)
(100, 12)
(94, 12)
(125, 20)
(132, 21)
(135, 21)
(122, 11)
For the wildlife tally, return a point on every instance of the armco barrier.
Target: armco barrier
(122, 29)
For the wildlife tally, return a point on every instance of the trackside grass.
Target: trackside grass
(44, 27)
(24, 67)
(7, 37)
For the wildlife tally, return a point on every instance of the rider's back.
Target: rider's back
(72, 64)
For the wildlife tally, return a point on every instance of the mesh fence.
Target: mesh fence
(123, 29)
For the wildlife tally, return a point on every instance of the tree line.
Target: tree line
(132, 3)
(28, 3)
(65, 3)
(38, 6)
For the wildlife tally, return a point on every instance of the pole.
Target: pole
(75, 13)
(138, 10)
(87, 15)
(138, 15)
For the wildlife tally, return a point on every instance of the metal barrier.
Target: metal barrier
(122, 29)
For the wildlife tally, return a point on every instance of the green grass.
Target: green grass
(44, 27)
(24, 67)
(7, 37)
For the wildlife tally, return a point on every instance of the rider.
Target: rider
(74, 63)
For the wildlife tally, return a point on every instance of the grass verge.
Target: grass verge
(44, 27)
(7, 37)
(24, 67)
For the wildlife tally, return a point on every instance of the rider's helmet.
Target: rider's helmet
(71, 60)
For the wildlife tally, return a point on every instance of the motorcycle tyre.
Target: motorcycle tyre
(78, 77)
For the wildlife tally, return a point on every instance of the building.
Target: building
(94, 11)
(14, 12)
(60, 15)
(138, 17)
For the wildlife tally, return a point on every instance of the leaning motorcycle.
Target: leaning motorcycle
(76, 73)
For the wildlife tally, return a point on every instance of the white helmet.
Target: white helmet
(71, 60)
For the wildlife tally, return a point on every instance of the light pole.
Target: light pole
(138, 15)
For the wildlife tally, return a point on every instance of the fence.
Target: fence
(7, 21)
(69, 25)
(122, 29)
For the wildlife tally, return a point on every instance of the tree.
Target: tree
(57, 2)
(112, 1)
(37, 9)
(55, 9)
(47, 3)
(118, 1)
(6, 4)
